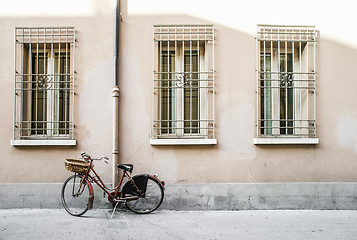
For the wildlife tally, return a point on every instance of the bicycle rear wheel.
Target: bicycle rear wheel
(75, 195)
(152, 198)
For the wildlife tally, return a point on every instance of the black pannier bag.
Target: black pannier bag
(140, 181)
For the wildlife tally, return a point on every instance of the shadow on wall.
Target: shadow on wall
(235, 111)
(337, 95)
(234, 99)
(234, 67)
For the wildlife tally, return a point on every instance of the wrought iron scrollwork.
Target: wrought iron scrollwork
(43, 82)
(286, 80)
(182, 80)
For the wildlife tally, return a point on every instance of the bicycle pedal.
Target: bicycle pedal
(103, 194)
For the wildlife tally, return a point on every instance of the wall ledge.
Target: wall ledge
(20, 143)
(266, 141)
(188, 141)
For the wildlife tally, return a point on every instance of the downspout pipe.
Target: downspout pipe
(116, 45)
(115, 96)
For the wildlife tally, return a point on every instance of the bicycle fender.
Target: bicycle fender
(162, 183)
(91, 196)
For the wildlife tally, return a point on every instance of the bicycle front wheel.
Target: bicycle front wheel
(75, 195)
(151, 200)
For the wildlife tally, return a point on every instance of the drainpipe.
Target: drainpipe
(115, 95)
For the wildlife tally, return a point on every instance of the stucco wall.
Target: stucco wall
(235, 158)
(93, 104)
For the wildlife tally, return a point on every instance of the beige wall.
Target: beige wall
(234, 159)
(93, 104)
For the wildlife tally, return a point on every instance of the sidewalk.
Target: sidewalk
(258, 225)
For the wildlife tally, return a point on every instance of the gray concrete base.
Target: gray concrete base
(215, 196)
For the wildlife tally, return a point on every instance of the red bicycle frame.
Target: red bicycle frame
(115, 195)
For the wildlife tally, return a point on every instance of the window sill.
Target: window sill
(19, 143)
(167, 142)
(280, 141)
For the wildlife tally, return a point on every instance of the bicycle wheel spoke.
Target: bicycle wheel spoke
(75, 194)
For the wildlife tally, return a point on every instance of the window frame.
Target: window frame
(178, 93)
(53, 45)
(52, 102)
(298, 42)
(193, 125)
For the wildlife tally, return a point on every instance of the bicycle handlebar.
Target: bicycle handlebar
(87, 157)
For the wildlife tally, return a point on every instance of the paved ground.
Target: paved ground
(97, 224)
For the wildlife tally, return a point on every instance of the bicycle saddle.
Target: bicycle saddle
(126, 167)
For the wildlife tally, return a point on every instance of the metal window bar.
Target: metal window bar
(44, 83)
(286, 81)
(183, 92)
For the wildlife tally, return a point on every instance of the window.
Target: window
(44, 80)
(183, 82)
(286, 81)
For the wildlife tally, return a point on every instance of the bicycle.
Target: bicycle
(142, 193)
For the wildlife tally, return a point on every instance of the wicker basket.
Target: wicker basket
(76, 165)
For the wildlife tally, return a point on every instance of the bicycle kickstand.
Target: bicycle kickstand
(115, 207)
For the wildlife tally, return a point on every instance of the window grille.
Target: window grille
(44, 81)
(286, 81)
(183, 81)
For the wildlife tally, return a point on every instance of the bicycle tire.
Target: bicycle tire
(151, 201)
(75, 202)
